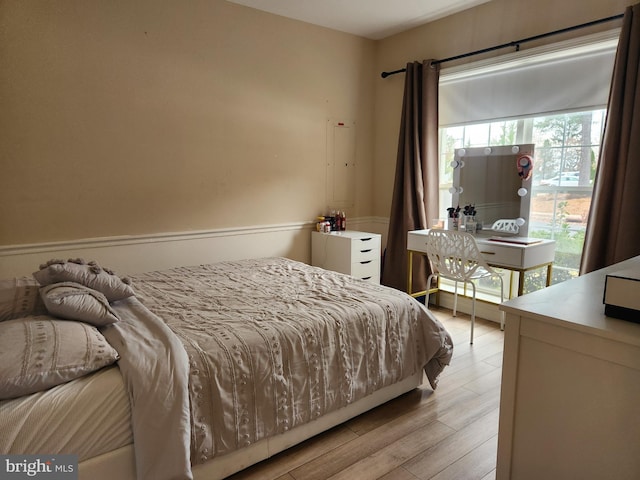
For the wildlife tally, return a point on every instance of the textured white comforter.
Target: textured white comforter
(155, 371)
(270, 344)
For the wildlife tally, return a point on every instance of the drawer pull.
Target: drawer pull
(366, 251)
(366, 278)
(365, 262)
(365, 239)
(488, 253)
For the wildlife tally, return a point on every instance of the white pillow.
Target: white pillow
(72, 301)
(40, 352)
(19, 297)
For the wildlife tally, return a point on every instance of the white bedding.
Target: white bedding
(255, 348)
(273, 344)
(86, 417)
(155, 370)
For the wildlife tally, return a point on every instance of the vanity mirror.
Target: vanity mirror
(497, 180)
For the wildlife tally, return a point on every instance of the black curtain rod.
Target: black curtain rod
(515, 43)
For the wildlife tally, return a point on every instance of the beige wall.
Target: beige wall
(492, 23)
(135, 117)
(140, 117)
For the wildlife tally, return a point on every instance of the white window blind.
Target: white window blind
(567, 76)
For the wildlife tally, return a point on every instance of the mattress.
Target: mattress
(86, 417)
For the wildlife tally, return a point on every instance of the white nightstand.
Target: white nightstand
(350, 252)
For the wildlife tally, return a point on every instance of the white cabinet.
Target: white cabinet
(350, 252)
(570, 396)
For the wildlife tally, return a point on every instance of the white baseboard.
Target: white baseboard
(143, 253)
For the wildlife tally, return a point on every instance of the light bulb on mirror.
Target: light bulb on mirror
(520, 221)
(515, 149)
(522, 192)
(462, 152)
(487, 151)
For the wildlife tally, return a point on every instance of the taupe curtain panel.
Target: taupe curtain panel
(415, 191)
(613, 231)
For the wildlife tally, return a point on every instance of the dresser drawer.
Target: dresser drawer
(495, 253)
(367, 270)
(365, 255)
(365, 247)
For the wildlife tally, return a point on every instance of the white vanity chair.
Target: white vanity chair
(506, 226)
(492, 181)
(455, 256)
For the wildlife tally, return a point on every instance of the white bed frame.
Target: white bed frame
(120, 463)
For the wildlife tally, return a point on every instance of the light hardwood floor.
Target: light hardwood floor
(447, 434)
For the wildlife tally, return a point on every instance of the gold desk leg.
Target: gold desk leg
(511, 284)
(520, 282)
(410, 272)
(549, 272)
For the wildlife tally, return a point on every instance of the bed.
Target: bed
(201, 371)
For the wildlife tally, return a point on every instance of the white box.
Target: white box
(622, 295)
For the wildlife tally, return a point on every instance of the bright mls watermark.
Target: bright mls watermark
(50, 467)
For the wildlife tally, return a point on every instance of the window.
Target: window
(554, 97)
(566, 151)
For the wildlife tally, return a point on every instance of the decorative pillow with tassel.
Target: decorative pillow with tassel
(88, 274)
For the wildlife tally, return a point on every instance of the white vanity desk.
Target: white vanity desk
(517, 257)
(570, 400)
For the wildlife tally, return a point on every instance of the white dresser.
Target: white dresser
(570, 401)
(350, 252)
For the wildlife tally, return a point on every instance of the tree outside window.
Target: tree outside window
(566, 152)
